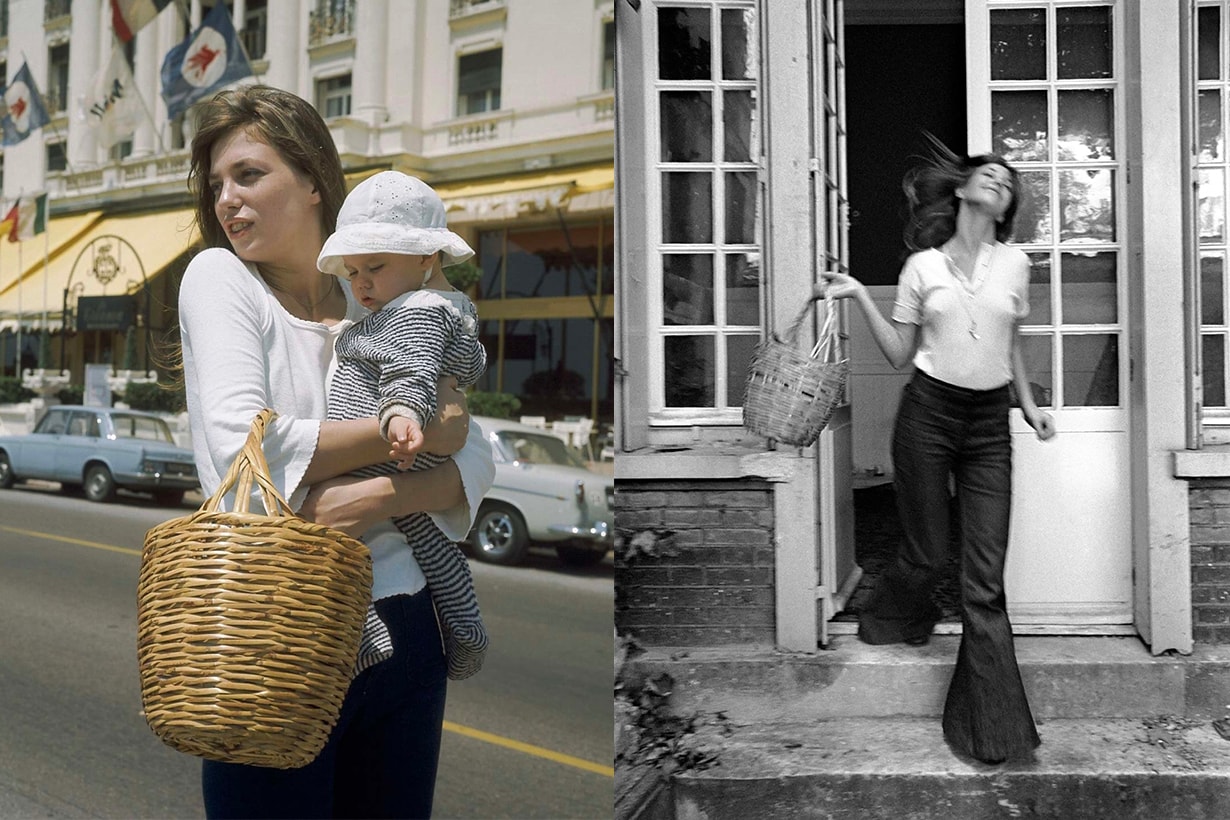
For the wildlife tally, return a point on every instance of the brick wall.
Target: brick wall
(715, 587)
(1209, 501)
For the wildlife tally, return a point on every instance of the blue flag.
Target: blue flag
(24, 111)
(207, 60)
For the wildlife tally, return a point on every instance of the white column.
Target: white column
(790, 212)
(368, 74)
(283, 44)
(1161, 525)
(83, 61)
(147, 63)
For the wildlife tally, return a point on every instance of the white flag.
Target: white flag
(111, 106)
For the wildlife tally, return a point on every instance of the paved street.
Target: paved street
(529, 737)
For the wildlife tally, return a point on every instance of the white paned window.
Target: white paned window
(705, 210)
(608, 55)
(1056, 100)
(478, 82)
(1212, 86)
(56, 95)
(333, 96)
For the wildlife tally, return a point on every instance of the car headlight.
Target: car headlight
(148, 466)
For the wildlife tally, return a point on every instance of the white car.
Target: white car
(543, 494)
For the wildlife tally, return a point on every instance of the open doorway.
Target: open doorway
(902, 79)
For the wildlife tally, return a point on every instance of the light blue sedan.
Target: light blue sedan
(99, 450)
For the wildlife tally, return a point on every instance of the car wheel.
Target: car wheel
(99, 485)
(169, 498)
(6, 472)
(579, 556)
(500, 535)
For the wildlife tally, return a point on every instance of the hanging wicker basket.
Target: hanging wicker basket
(248, 625)
(790, 394)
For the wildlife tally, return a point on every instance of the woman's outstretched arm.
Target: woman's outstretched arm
(450, 492)
(896, 340)
(1042, 421)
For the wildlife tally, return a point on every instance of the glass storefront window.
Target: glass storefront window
(553, 346)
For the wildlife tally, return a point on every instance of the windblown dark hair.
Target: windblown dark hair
(931, 193)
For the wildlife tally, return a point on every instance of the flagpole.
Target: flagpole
(46, 260)
(21, 316)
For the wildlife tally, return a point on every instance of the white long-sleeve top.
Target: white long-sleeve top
(243, 352)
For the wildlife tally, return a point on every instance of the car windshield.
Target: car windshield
(141, 427)
(533, 448)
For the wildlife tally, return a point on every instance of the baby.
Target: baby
(391, 240)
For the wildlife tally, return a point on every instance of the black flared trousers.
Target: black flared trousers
(944, 433)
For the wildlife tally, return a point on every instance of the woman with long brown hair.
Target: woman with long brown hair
(258, 323)
(960, 299)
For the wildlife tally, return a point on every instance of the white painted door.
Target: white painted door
(835, 487)
(1046, 91)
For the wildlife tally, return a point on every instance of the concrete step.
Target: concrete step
(900, 768)
(1065, 677)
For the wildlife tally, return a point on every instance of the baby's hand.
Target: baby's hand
(406, 438)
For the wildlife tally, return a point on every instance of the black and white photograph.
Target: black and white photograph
(922, 498)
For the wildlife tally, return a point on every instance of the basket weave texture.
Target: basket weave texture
(248, 625)
(790, 394)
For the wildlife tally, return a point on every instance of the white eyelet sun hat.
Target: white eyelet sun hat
(391, 212)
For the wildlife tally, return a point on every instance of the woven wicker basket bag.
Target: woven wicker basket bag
(791, 395)
(248, 625)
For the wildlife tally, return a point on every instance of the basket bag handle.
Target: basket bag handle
(249, 466)
(826, 343)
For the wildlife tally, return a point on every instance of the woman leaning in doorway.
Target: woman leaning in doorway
(960, 299)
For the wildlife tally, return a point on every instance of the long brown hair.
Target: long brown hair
(931, 191)
(289, 125)
(285, 122)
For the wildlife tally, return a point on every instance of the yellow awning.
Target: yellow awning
(61, 231)
(510, 197)
(138, 244)
(585, 189)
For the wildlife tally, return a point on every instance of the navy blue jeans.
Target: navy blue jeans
(946, 434)
(381, 757)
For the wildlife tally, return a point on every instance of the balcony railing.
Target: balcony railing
(127, 179)
(478, 129)
(56, 101)
(330, 21)
(464, 8)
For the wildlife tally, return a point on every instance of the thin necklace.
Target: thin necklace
(967, 293)
(308, 307)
